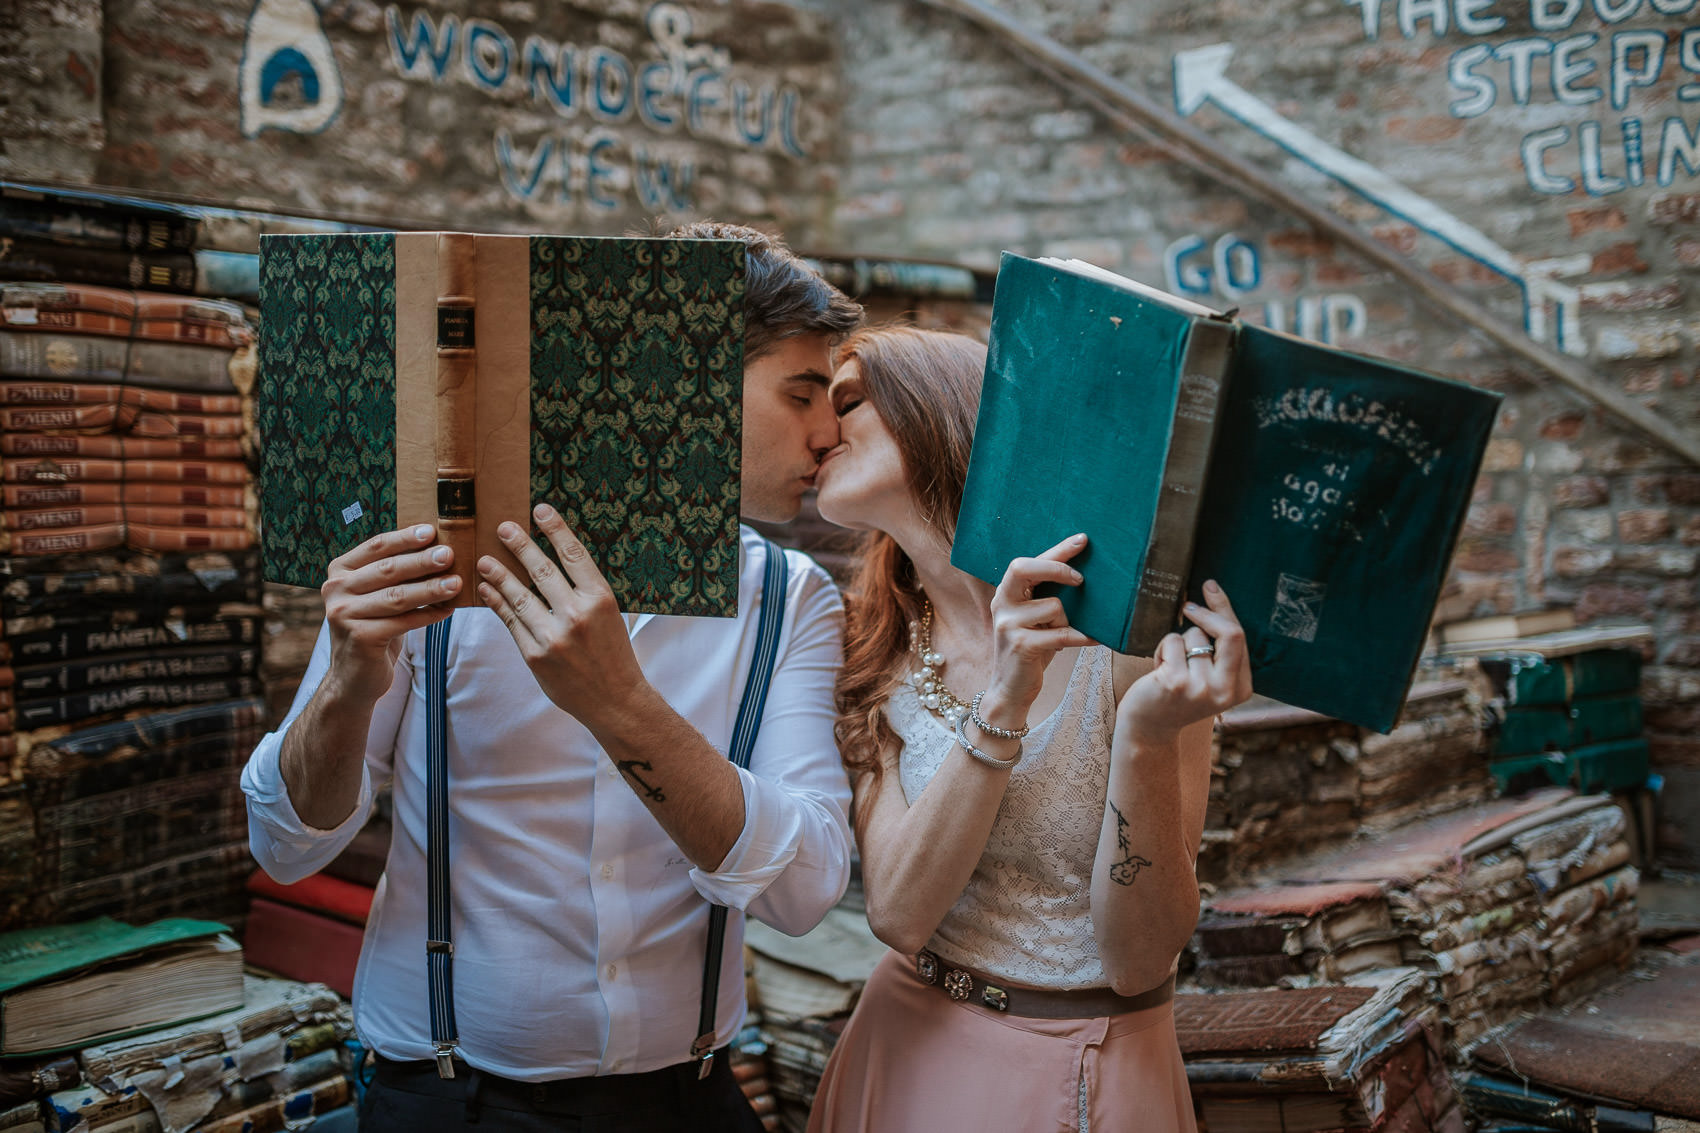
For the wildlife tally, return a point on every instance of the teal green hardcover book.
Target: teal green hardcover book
(1324, 490)
(454, 379)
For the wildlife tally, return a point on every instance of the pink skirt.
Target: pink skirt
(913, 1059)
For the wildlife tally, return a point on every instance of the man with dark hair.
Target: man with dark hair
(590, 824)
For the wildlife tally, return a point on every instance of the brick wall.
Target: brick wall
(957, 148)
(1557, 140)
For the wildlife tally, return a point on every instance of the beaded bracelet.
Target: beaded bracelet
(979, 722)
(988, 759)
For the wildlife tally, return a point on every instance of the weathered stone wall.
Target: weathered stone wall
(1548, 147)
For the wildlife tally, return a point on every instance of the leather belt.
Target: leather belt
(966, 986)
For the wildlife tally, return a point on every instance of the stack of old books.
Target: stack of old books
(122, 421)
(135, 819)
(1365, 1056)
(1505, 905)
(803, 989)
(1286, 780)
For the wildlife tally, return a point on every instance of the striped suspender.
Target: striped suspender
(773, 588)
(439, 947)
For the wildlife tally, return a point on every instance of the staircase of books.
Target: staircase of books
(1398, 933)
(132, 631)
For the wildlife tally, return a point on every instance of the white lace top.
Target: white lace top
(1025, 915)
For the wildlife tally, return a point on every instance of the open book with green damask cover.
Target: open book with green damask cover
(445, 378)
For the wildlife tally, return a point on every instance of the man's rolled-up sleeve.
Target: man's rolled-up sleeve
(286, 847)
(791, 863)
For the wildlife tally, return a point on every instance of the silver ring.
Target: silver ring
(1201, 651)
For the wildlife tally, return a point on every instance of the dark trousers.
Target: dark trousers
(409, 1097)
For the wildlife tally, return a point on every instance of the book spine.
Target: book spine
(231, 275)
(66, 320)
(62, 221)
(41, 304)
(167, 473)
(39, 713)
(53, 357)
(107, 672)
(456, 402)
(161, 730)
(70, 541)
(40, 519)
(74, 643)
(85, 418)
(121, 448)
(172, 515)
(148, 537)
(38, 260)
(38, 393)
(183, 366)
(99, 319)
(1192, 440)
(152, 424)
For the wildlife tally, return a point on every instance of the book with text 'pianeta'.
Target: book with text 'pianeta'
(1323, 490)
(66, 986)
(453, 379)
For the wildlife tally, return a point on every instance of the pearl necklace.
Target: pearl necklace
(928, 682)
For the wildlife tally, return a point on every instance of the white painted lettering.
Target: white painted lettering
(1520, 54)
(1413, 11)
(1480, 92)
(1626, 74)
(489, 54)
(1535, 147)
(1553, 15)
(1678, 143)
(1688, 55)
(1372, 16)
(1471, 22)
(550, 70)
(1566, 71)
(1595, 180)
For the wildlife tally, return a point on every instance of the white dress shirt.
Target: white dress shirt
(579, 927)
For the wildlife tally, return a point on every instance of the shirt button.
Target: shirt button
(607, 873)
(613, 970)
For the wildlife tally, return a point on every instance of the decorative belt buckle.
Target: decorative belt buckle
(927, 967)
(995, 997)
(958, 983)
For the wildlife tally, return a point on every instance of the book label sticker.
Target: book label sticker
(351, 513)
(1298, 607)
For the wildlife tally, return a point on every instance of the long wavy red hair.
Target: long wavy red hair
(925, 386)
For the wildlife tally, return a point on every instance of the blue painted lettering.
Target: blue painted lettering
(788, 140)
(700, 99)
(610, 84)
(757, 136)
(422, 44)
(1634, 160)
(663, 183)
(549, 72)
(285, 64)
(489, 53)
(654, 85)
(524, 176)
(1460, 71)
(1238, 269)
(600, 176)
(1616, 13)
(1181, 276)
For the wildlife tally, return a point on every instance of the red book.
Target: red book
(302, 945)
(320, 893)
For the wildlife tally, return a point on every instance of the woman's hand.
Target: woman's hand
(1200, 673)
(1027, 631)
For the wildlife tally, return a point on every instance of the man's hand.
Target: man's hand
(566, 622)
(374, 594)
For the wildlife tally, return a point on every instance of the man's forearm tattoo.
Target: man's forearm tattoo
(1124, 871)
(630, 767)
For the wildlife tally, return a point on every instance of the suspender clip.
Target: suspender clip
(445, 1060)
(703, 1051)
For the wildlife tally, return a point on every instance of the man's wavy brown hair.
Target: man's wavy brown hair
(925, 385)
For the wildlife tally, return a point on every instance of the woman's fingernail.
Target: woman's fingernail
(1081, 538)
(1192, 607)
(1211, 587)
(1076, 575)
(422, 532)
(440, 555)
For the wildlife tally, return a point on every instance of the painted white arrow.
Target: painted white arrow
(1201, 76)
